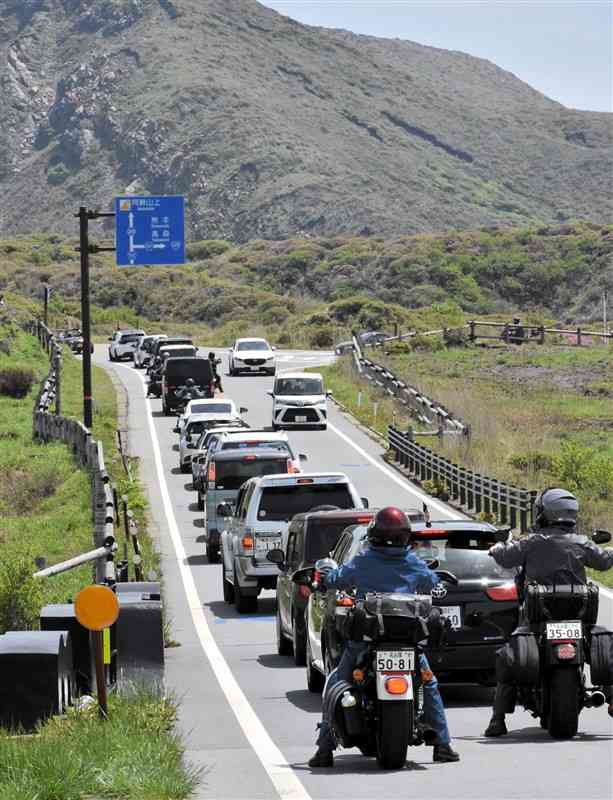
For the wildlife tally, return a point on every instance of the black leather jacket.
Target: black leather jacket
(554, 554)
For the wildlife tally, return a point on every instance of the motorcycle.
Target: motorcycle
(546, 657)
(381, 710)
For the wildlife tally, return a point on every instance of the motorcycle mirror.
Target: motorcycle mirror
(303, 577)
(502, 534)
(601, 536)
(446, 576)
(243, 410)
(432, 563)
(276, 556)
(303, 457)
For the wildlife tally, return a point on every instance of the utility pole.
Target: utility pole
(605, 299)
(85, 249)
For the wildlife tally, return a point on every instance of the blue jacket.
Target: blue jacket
(383, 569)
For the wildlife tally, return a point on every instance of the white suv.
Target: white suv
(264, 508)
(251, 355)
(299, 399)
(123, 344)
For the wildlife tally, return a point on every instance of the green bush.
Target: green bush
(208, 248)
(21, 595)
(532, 461)
(582, 470)
(16, 382)
(322, 337)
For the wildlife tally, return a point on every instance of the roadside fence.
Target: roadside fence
(89, 453)
(507, 332)
(473, 493)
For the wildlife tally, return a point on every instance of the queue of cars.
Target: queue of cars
(265, 519)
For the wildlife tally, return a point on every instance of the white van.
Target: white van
(299, 399)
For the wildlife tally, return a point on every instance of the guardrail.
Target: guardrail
(508, 332)
(427, 411)
(470, 491)
(89, 453)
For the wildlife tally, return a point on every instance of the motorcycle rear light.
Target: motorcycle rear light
(317, 576)
(345, 602)
(566, 651)
(359, 675)
(508, 591)
(396, 685)
(304, 591)
(247, 543)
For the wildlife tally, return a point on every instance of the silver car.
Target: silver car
(123, 344)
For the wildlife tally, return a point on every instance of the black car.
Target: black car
(311, 536)
(176, 371)
(482, 607)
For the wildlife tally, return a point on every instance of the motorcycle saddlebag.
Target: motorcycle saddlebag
(518, 662)
(397, 617)
(561, 601)
(601, 656)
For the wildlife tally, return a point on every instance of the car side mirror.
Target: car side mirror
(111, 338)
(276, 556)
(270, 394)
(243, 410)
(502, 534)
(329, 394)
(176, 429)
(601, 536)
(365, 502)
(303, 457)
(273, 348)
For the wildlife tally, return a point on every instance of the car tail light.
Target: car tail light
(566, 651)
(365, 518)
(247, 543)
(249, 458)
(304, 591)
(171, 388)
(396, 685)
(507, 591)
(211, 472)
(345, 602)
(302, 481)
(316, 576)
(291, 467)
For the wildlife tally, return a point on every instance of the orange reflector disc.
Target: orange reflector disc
(96, 607)
(396, 685)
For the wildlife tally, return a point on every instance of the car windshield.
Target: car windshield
(253, 344)
(299, 386)
(465, 553)
(322, 536)
(282, 502)
(195, 428)
(210, 408)
(231, 444)
(130, 337)
(230, 475)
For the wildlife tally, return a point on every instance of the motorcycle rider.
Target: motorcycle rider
(554, 549)
(189, 391)
(214, 362)
(386, 565)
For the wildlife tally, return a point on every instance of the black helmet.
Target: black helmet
(390, 528)
(189, 382)
(556, 506)
(211, 355)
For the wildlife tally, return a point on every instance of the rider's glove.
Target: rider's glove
(495, 549)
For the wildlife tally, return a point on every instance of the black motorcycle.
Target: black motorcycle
(547, 655)
(380, 711)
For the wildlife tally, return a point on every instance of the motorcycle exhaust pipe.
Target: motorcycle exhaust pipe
(594, 699)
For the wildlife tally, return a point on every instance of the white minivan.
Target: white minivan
(299, 399)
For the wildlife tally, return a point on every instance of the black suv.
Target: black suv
(311, 536)
(482, 607)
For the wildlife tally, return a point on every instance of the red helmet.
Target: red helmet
(390, 528)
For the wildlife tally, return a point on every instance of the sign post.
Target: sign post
(96, 609)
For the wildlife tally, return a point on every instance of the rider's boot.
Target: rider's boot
(497, 726)
(444, 753)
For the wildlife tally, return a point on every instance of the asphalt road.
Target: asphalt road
(246, 713)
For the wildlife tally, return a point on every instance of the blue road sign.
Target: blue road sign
(149, 230)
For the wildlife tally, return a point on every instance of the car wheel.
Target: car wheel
(315, 680)
(200, 501)
(228, 589)
(299, 644)
(284, 646)
(111, 356)
(213, 554)
(185, 468)
(243, 603)
(323, 427)
(275, 427)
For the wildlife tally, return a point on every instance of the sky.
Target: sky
(562, 48)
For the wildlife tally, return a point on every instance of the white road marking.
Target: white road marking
(425, 498)
(280, 773)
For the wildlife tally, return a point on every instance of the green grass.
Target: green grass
(133, 756)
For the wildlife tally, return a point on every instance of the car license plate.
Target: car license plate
(255, 369)
(395, 660)
(264, 545)
(565, 630)
(453, 614)
(301, 419)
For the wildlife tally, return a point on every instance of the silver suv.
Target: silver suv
(123, 344)
(264, 508)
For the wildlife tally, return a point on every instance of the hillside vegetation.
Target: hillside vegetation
(314, 291)
(274, 129)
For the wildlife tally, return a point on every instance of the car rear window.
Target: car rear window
(178, 352)
(283, 502)
(465, 553)
(130, 337)
(177, 371)
(230, 475)
(211, 408)
(282, 447)
(322, 536)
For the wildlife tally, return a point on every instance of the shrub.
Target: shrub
(322, 337)
(16, 382)
(199, 251)
(426, 344)
(581, 469)
(20, 593)
(437, 488)
(532, 461)
(455, 337)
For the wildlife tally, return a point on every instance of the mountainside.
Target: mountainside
(273, 129)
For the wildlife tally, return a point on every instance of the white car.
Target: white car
(142, 354)
(123, 344)
(251, 355)
(299, 399)
(217, 408)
